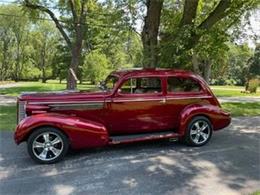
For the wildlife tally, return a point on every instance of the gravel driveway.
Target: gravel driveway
(239, 99)
(7, 100)
(228, 164)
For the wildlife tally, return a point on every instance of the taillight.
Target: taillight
(21, 110)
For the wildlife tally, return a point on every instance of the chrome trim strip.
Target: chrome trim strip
(157, 99)
(89, 106)
(137, 100)
(67, 102)
(194, 97)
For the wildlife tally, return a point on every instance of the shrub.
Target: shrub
(252, 85)
(30, 73)
(95, 67)
(230, 82)
(219, 81)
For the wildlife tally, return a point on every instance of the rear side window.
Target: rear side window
(180, 84)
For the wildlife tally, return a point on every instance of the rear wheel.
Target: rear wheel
(47, 145)
(199, 131)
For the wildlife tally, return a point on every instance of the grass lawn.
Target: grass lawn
(7, 117)
(242, 108)
(51, 85)
(231, 91)
(256, 193)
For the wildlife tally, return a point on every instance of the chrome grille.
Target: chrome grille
(21, 111)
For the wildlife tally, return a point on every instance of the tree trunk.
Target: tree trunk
(150, 33)
(5, 61)
(44, 79)
(75, 57)
(43, 65)
(17, 63)
(195, 63)
(207, 71)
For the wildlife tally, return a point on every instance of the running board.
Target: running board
(143, 137)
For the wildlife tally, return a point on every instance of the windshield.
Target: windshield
(110, 82)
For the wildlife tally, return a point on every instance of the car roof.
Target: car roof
(151, 72)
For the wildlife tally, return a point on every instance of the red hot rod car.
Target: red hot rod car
(132, 105)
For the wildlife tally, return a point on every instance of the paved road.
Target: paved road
(8, 85)
(239, 99)
(229, 164)
(7, 100)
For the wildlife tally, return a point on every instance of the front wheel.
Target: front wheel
(47, 145)
(199, 131)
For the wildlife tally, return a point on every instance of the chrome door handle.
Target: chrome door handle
(163, 101)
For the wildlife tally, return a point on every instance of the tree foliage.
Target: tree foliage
(47, 55)
(44, 40)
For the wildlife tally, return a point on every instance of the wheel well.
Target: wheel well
(43, 126)
(204, 115)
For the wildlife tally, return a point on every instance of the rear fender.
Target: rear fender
(82, 133)
(218, 118)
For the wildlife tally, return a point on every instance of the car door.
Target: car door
(136, 106)
(181, 92)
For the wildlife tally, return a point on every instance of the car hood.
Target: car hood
(63, 96)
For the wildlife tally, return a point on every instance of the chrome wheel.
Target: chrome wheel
(47, 146)
(200, 132)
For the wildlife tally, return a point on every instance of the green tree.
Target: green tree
(96, 67)
(45, 40)
(185, 24)
(6, 44)
(254, 63)
(239, 55)
(15, 51)
(74, 11)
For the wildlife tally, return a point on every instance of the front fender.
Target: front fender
(218, 118)
(81, 132)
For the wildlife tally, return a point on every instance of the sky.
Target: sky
(255, 28)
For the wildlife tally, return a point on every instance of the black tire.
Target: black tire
(37, 145)
(190, 137)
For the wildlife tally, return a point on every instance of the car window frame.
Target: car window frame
(117, 93)
(202, 91)
(116, 83)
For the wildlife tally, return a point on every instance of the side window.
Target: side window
(143, 85)
(129, 86)
(179, 84)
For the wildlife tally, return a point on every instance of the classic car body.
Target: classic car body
(127, 111)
